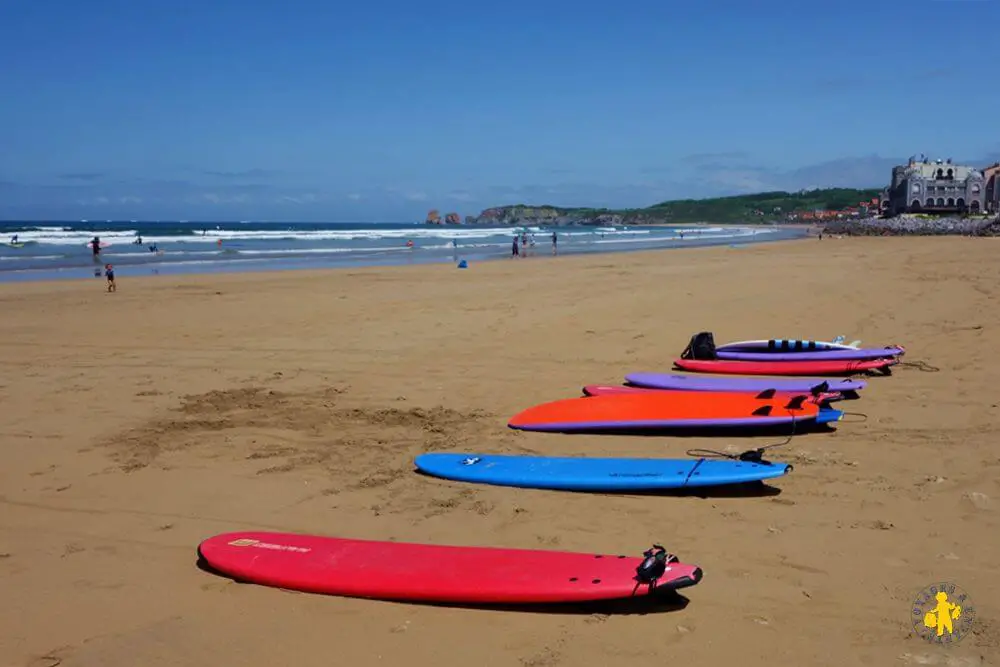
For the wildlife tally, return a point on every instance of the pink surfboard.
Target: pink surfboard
(783, 367)
(605, 389)
(608, 389)
(431, 573)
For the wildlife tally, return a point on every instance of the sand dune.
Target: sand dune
(138, 423)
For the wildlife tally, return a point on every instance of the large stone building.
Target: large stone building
(923, 186)
(992, 177)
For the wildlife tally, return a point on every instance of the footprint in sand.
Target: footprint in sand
(977, 500)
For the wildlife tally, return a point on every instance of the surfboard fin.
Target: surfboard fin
(796, 402)
(762, 411)
(821, 388)
(753, 456)
(767, 393)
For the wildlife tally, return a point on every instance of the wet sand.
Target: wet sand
(138, 423)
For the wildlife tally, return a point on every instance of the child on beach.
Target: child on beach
(109, 271)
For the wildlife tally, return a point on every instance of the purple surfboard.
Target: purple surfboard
(730, 383)
(832, 355)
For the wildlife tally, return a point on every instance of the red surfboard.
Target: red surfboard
(430, 573)
(783, 367)
(668, 409)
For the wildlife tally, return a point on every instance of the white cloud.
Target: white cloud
(307, 198)
(216, 198)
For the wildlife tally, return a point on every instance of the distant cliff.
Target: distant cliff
(553, 216)
(763, 207)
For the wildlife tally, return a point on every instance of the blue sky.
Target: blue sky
(380, 110)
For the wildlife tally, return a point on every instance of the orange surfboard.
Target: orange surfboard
(673, 409)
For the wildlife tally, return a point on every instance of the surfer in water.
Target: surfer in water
(13, 239)
(95, 246)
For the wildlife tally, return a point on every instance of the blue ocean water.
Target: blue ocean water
(60, 250)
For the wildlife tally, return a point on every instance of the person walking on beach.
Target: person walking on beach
(555, 242)
(109, 272)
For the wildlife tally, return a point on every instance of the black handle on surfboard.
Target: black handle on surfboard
(653, 565)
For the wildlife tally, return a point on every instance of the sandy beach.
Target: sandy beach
(136, 424)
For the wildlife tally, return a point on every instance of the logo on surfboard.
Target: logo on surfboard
(943, 613)
(248, 542)
(470, 460)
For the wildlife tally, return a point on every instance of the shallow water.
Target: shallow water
(61, 251)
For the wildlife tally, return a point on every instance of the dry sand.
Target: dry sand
(136, 424)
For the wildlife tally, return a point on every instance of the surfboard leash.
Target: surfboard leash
(750, 455)
(922, 366)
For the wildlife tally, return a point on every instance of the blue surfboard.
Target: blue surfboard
(595, 474)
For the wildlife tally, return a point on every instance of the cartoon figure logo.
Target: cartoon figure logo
(943, 614)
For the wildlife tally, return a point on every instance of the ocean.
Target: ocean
(59, 250)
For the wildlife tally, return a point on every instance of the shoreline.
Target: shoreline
(291, 260)
(569, 261)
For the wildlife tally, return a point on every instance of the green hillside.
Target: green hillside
(759, 207)
(741, 208)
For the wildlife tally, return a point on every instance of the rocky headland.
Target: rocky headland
(554, 216)
(762, 208)
(550, 216)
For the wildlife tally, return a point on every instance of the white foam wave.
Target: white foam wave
(29, 257)
(67, 236)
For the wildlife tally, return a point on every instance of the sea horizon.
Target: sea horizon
(58, 250)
